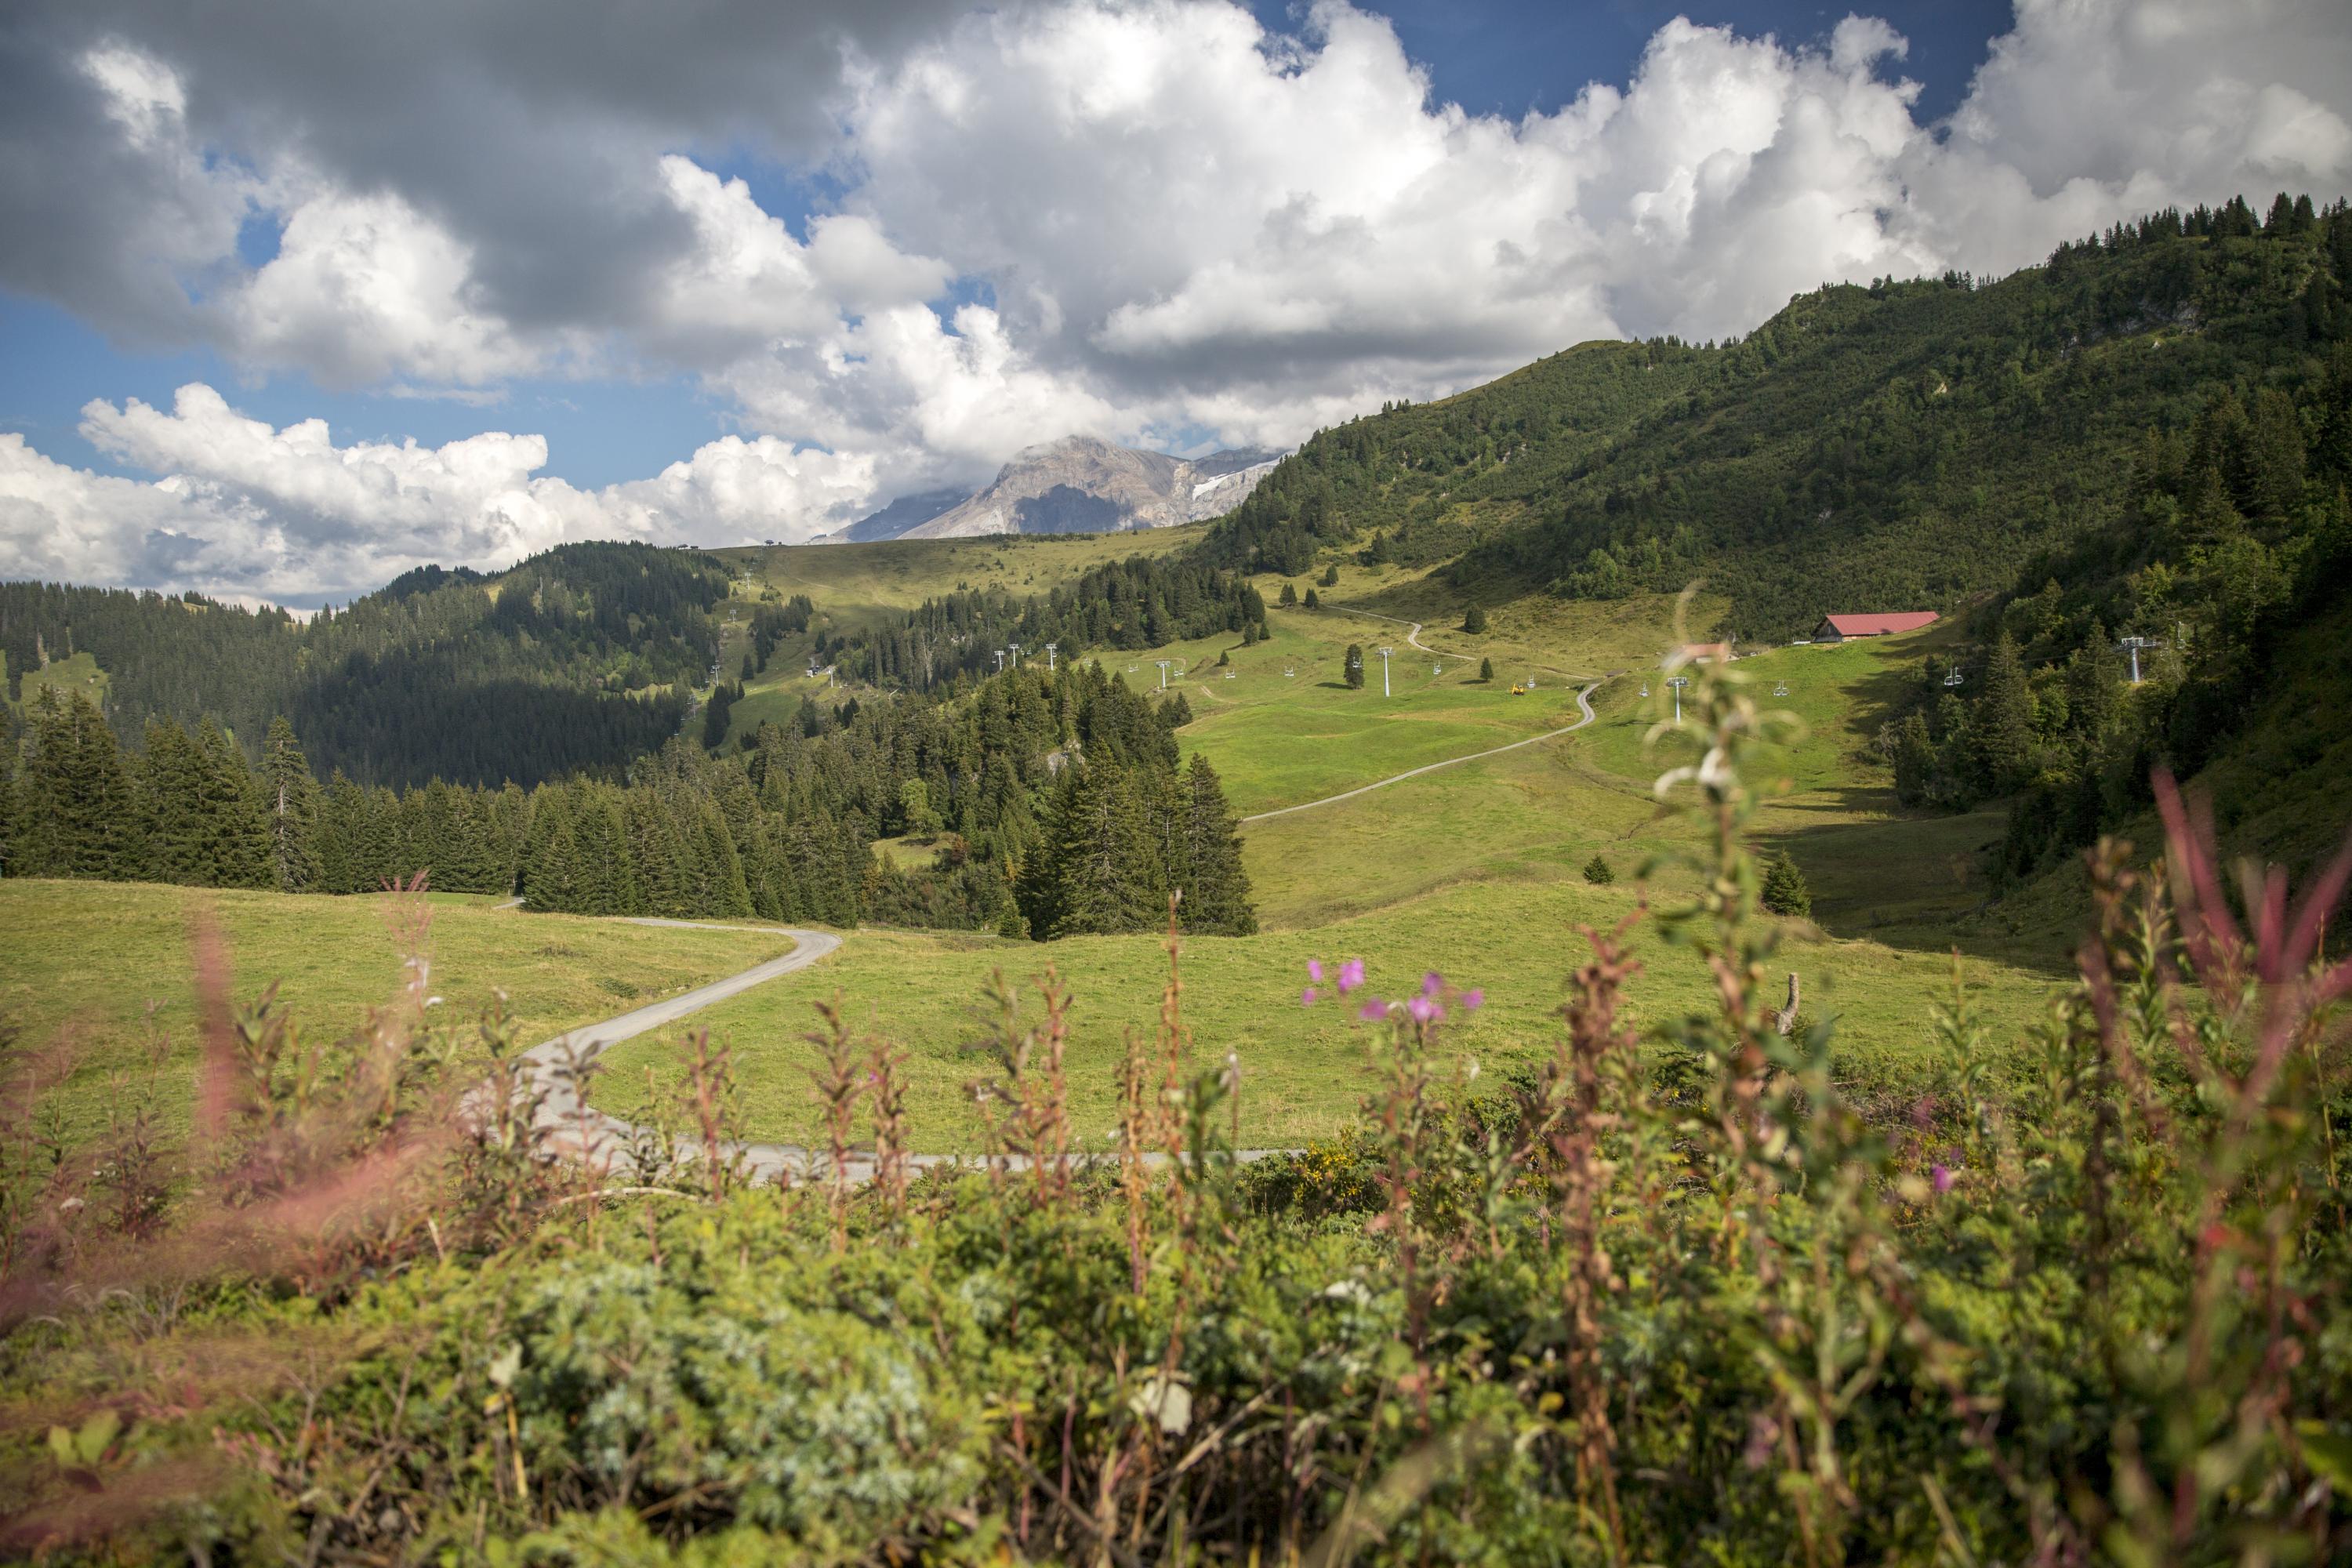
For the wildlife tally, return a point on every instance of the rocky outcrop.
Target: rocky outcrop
(1082, 484)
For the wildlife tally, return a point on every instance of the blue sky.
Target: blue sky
(1507, 59)
(555, 270)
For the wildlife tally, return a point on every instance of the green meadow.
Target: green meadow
(103, 972)
(1475, 871)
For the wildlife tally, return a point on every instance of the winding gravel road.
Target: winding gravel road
(585, 1130)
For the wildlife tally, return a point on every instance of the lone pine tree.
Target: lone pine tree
(1216, 886)
(1355, 665)
(290, 796)
(1784, 891)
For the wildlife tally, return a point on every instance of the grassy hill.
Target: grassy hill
(100, 989)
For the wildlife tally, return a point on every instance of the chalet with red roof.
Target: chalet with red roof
(1837, 628)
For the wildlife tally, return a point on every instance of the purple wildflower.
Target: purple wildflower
(1942, 1178)
(1315, 969)
(1351, 974)
(1373, 1011)
(1306, 997)
(1425, 1009)
(1431, 983)
(1473, 1000)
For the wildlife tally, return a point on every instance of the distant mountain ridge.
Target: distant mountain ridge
(1078, 484)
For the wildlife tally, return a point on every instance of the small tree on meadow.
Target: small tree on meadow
(1597, 872)
(1355, 665)
(1473, 621)
(1332, 575)
(1784, 891)
(1290, 597)
(1485, 669)
(1312, 602)
(915, 801)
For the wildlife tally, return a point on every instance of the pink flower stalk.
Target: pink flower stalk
(1473, 1000)
(1373, 1011)
(1351, 974)
(1425, 1009)
(1431, 983)
(1306, 997)
(1315, 969)
(1942, 1178)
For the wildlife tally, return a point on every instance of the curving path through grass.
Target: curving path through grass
(584, 1131)
(580, 1131)
(1584, 706)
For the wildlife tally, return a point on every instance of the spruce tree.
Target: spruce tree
(290, 796)
(1597, 872)
(1474, 620)
(1313, 603)
(548, 879)
(173, 807)
(1217, 893)
(341, 816)
(1355, 665)
(239, 818)
(1485, 669)
(1106, 876)
(1784, 891)
(2002, 726)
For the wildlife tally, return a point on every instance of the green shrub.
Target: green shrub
(1597, 872)
(1784, 891)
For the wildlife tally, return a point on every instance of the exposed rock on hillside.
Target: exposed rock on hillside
(1082, 484)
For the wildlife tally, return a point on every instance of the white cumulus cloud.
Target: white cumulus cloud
(251, 510)
(1149, 218)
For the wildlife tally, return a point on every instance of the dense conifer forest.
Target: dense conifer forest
(1053, 803)
(1138, 603)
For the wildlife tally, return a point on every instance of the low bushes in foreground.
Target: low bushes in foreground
(1673, 1299)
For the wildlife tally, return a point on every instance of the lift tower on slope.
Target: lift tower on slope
(2133, 646)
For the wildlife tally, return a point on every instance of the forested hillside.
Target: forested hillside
(1141, 602)
(1054, 804)
(577, 659)
(1900, 446)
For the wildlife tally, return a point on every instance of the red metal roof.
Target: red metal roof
(1880, 625)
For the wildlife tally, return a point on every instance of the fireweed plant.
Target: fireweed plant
(1684, 1297)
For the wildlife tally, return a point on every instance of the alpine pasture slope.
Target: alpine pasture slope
(1474, 872)
(101, 976)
